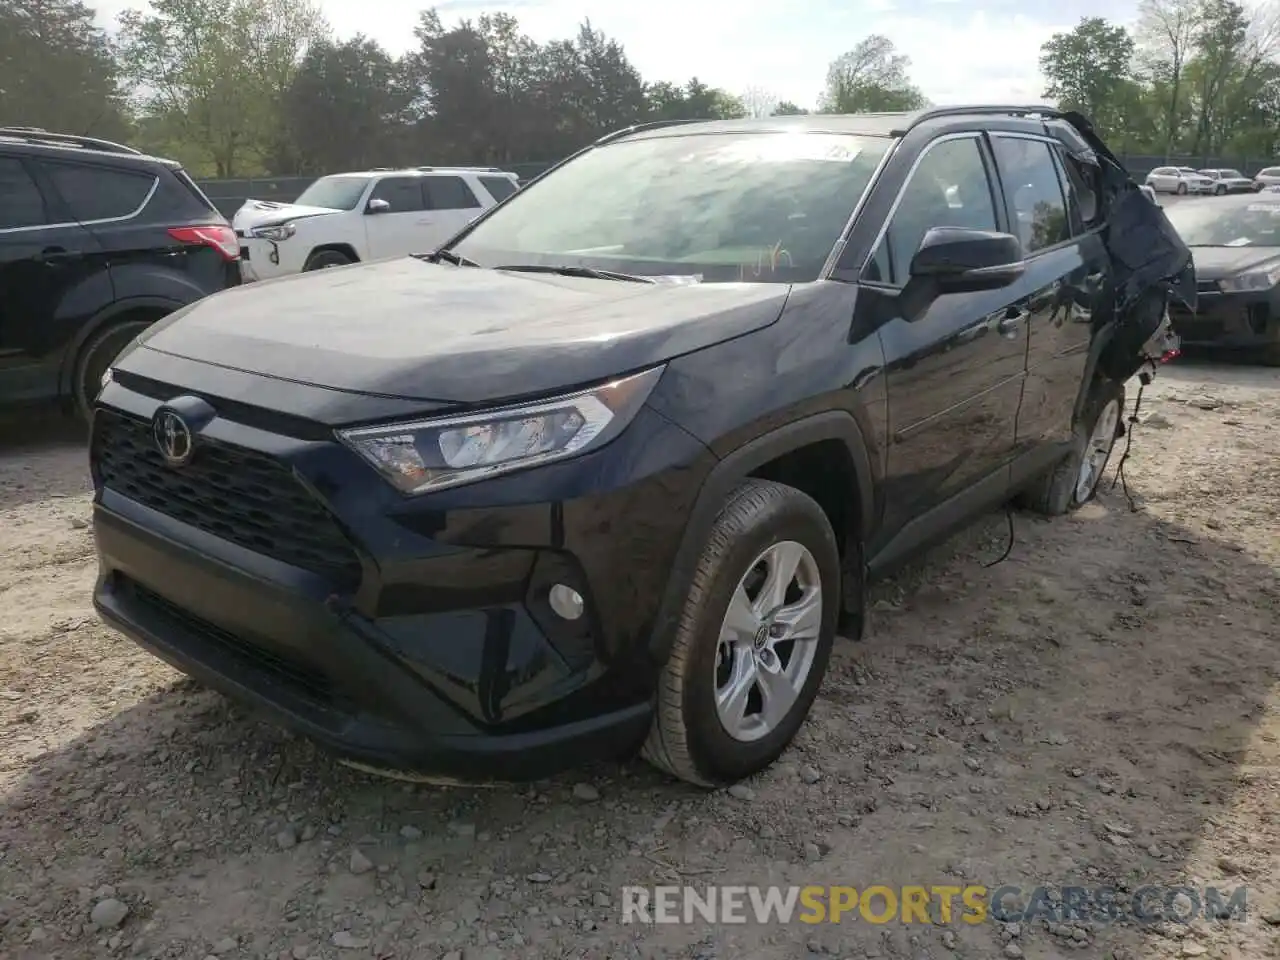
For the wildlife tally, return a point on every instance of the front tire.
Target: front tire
(753, 640)
(1219, 190)
(326, 259)
(1182, 189)
(1074, 480)
(97, 354)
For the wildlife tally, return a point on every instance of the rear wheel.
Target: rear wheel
(97, 354)
(325, 259)
(753, 639)
(1074, 480)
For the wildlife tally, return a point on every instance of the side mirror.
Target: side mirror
(377, 206)
(957, 259)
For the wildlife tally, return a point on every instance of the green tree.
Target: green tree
(355, 87)
(786, 108)
(1088, 69)
(1166, 41)
(871, 77)
(211, 76)
(57, 70)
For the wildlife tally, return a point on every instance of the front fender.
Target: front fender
(836, 425)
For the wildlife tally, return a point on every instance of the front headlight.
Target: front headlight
(282, 231)
(1253, 280)
(432, 454)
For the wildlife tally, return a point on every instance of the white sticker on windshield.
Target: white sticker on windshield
(1238, 242)
(783, 147)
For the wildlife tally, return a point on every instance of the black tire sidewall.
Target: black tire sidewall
(1103, 394)
(1182, 189)
(97, 354)
(718, 756)
(324, 259)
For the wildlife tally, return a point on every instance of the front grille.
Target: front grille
(287, 670)
(242, 496)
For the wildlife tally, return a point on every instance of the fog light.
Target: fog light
(566, 602)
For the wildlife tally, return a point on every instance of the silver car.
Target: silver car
(1226, 180)
(1267, 177)
(1182, 180)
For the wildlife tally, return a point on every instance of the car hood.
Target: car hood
(264, 213)
(409, 329)
(1214, 263)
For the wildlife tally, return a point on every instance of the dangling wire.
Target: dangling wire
(1143, 380)
(1008, 549)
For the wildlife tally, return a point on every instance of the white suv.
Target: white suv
(375, 215)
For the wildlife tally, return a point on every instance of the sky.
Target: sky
(961, 50)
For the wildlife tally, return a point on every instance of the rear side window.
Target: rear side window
(499, 187)
(99, 193)
(1082, 197)
(196, 193)
(403, 193)
(1270, 172)
(449, 193)
(21, 203)
(1033, 190)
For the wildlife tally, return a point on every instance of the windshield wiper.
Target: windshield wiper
(571, 271)
(447, 256)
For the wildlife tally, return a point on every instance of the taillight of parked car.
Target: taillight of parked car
(220, 238)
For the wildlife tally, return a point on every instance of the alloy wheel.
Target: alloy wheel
(1097, 451)
(768, 641)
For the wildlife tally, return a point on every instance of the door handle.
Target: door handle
(54, 254)
(1014, 317)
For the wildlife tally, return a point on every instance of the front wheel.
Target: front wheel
(753, 639)
(1182, 189)
(1074, 480)
(326, 260)
(1219, 190)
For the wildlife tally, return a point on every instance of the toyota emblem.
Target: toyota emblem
(173, 438)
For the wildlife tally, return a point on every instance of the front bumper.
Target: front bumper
(1232, 320)
(426, 643)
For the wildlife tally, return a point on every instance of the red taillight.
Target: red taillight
(221, 238)
(1170, 355)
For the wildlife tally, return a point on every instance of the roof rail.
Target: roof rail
(36, 135)
(637, 127)
(961, 110)
(467, 169)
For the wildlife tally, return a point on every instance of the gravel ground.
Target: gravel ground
(1098, 708)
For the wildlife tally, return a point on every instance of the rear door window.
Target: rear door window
(499, 187)
(21, 203)
(449, 193)
(403, 193)
(1038, 208)
(99, 193)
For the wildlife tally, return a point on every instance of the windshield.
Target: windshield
(1254, 224)
(755, 207)
(336, 193)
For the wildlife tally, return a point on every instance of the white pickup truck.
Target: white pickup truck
(375, 215)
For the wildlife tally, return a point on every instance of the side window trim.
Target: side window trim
(1010, 213)
(34, 176)
(993, 186)
(43, 171)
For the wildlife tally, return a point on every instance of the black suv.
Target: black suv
(606, 475)
(97, 241)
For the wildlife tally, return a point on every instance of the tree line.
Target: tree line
(238, 88)
(1192, 78)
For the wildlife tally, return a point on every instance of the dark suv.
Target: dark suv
(97, 241)
(605, 475)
